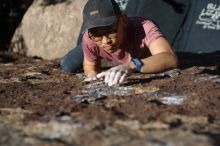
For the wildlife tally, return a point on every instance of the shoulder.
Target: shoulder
(86, 38)
(87, 42)
(90, 49)
(142, 24)
(145, 28)
(140, 21)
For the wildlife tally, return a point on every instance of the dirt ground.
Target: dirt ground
(40, 105)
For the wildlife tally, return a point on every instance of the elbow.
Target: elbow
(174, 61)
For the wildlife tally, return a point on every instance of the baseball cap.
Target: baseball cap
(98, 13)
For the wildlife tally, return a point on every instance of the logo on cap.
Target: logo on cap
(93, 12)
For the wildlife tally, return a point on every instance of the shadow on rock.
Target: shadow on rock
(188, 59)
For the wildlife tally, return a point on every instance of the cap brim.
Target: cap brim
(98, 23)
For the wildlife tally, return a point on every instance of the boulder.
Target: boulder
(49, 31)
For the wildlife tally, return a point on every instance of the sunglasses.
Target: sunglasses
(96, 34)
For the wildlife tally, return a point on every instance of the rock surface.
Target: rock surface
(43, 106)
(49, 31)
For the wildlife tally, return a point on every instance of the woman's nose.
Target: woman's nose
(105, 39)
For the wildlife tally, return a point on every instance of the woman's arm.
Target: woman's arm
(91, 69)
(163, 57)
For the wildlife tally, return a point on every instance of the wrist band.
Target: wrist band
(138, 64)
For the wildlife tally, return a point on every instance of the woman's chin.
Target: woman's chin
(109, 49)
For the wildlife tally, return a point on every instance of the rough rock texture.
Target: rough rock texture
(49, 31)
(43, 106)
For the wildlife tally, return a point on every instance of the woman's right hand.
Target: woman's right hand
(90, 78)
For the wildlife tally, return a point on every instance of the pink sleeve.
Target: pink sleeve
(152, 32)
(89, 48)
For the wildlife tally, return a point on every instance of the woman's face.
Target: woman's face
(109, 38)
